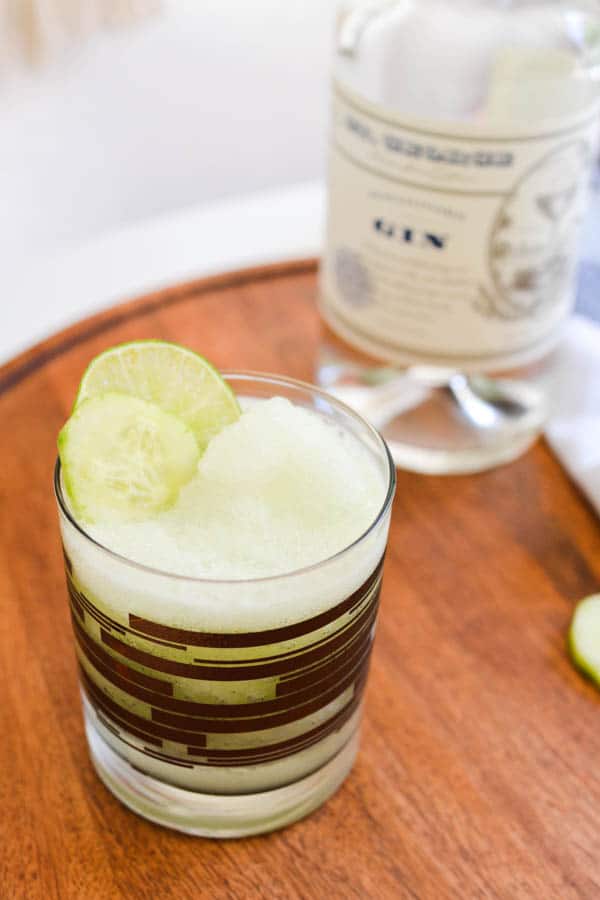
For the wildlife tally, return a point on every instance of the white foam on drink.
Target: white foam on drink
(278, 490)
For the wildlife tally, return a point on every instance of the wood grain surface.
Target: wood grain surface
(478, 774)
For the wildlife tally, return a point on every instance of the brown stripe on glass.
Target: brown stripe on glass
(103, 661)
(192, 707)
(347, 643)
(154, 640)
(93, 610)
(255, 638)
(261, 722)
(152, 731)
(266, 752)
(164, 757)
(108, 725)
(313, 653)
(146, 751)
(216, 672)
(116, 717)
(329, 675)
(68, 564)
(80, 598)
(78, 609)
(77, 597)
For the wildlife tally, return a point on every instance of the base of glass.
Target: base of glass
(439, 421)
(212, 815)
(478, 455)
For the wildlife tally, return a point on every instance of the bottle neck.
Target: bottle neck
(508, 60)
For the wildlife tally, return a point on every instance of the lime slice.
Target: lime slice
(124, 459)
(178, 380)
(584, 637)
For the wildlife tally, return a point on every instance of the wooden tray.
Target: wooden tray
(478, 770)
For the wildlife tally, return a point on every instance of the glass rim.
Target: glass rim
(265, 378)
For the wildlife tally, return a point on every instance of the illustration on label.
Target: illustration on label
(531, 267)
(353, 278)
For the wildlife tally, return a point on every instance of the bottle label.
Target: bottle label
(452, 246)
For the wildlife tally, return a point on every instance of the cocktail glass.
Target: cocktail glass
(225, 708)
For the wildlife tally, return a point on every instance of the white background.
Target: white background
(213, 98)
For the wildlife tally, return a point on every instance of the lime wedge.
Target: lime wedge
(176, 379)
(584, 637)
(124, 459)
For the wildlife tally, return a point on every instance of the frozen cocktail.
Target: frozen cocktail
(224, 543)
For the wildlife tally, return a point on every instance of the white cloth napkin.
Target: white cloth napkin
(573, 430)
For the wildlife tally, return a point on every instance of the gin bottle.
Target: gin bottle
(462, 138)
